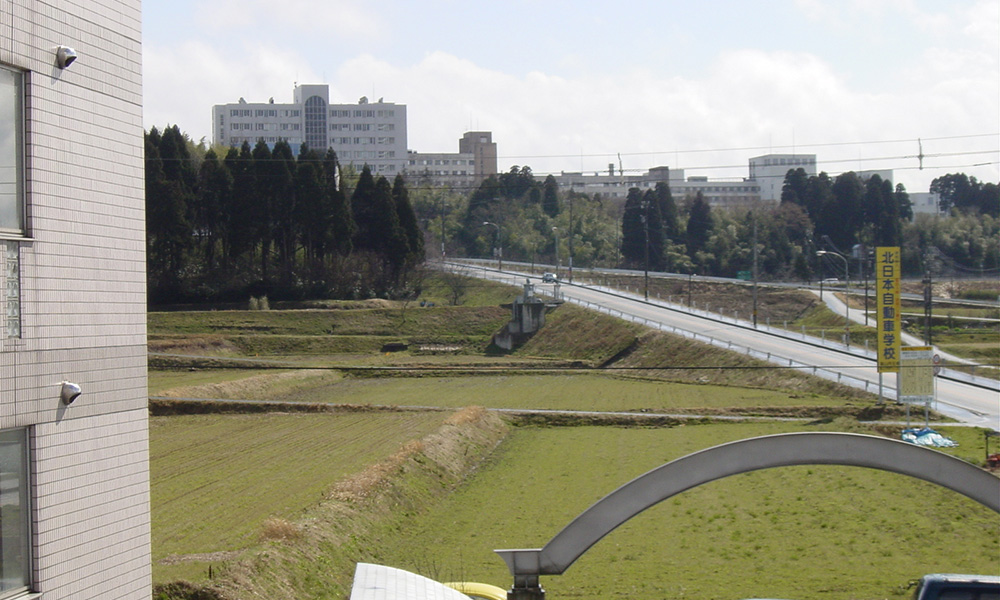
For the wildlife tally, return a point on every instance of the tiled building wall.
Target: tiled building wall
(82, 296)
(92, 507)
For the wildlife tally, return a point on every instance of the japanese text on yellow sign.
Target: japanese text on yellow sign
(887, 306)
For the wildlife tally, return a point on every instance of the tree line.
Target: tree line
(847, 214)
(261, 221)
(224, 224)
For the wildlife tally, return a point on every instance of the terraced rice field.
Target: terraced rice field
(216, 479)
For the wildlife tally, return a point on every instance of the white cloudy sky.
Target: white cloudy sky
(565, 85)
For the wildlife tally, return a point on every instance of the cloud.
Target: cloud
(332, 17)
(183, 82)
(748, 99)
(983, 23)
(745, 98)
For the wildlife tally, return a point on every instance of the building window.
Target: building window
(15, 557)
(11, 152)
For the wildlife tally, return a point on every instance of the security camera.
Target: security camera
(69, 392)
(65, 56)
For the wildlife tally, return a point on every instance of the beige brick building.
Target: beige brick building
(74, 477)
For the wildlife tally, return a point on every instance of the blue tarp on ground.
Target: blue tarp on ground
(927, 437)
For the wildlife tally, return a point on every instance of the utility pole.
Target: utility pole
(555, 232)
(499, 245)
(645, 228)
(928, 306)
(442, 226)
(755, 270)
(864, 273)
(571, 236)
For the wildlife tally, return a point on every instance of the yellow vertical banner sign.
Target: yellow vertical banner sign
(887, 305)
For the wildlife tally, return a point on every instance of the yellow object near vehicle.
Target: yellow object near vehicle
(479, 591)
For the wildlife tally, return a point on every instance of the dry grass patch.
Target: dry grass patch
(213, 345)
(363, 485)
(264, 386)
(277, 528)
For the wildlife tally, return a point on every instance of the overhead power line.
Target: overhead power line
(770, 149)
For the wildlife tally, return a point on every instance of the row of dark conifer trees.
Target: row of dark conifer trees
(261, 221)
(814, 211)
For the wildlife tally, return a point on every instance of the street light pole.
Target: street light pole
(499, 245)
(442, 227)
(555, 232)
(570, 240)
(645, 228)
(847, 293)
(755, 270)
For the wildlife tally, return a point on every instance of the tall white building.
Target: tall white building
(74, 470)
(769, 172)
(366, 133)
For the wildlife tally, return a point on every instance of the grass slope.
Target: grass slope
(572, 332)
(804, 532)
(313, 556)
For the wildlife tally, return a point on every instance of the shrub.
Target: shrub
(259, 303)
(978, 295)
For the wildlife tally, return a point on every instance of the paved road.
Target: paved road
(968, 403)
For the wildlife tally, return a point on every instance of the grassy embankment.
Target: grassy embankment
(301, 537)
(955, 330)
(220, 482)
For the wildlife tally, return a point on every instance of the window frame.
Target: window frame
(20, 156)
(26, 508)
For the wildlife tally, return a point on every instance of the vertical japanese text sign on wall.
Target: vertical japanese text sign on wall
(887, 304)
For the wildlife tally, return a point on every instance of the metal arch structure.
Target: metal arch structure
(731, 459)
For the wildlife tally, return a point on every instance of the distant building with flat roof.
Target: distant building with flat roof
(366, 133)
(475, 161)
(617, 184)
(481, 146)
(769, 171)
(926, 203)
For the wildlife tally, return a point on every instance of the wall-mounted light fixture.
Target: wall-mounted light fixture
(69, 392)
(65, 56)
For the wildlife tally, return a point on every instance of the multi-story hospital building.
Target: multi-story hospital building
(366, 133)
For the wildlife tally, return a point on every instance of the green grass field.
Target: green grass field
(803, 532)
(216, 479)
(603, 392)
